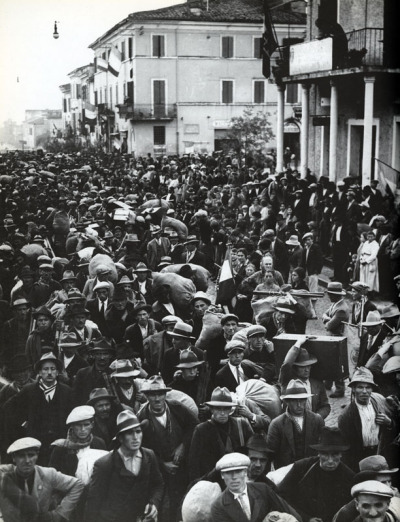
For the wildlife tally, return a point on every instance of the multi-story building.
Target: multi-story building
(183, 73)
(39, 126)
(348, 70)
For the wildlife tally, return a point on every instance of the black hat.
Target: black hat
(331, 439)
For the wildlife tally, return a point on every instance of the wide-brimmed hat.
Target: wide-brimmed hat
(78, 309)
(362, 375)
(376, 463)
(154, 383)
(24, 444)
(98, 394)
(80, 414)
(392, 365)
(335, 288)
(283, 305)
(304, 358)
(74, 295)
(141, 267)
(101, 285)
(221, 397)
(293, 241)
(233, 461)
(258, 443)
(362, 288)
(164, 261)
(127, 420)
(42, 310)
(69, 339)
(182, 331)
(373, 319)
(124, 368)
(191, 240)
(125, 281)
(296, 390)
(48, 357)
(229, 317)
(132, 238)
(390, 311)
(101, 345)
(170, 319)
(68, 275)
(188, 359)
(307, 235)
(140, 307)
(201, 296)
(330, 439)
(19, 302)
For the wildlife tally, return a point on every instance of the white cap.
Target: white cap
(80, 414)
(24, 444)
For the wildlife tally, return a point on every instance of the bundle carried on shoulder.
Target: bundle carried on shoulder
(201, 276)
(33, 251)
(61, 222)
(197, 504)
(179, 227)
(182, 289)
(103, 259)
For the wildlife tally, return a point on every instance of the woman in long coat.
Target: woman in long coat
(369, 263)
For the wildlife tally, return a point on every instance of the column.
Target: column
(305, 114)
(368, 124)
(279, 127)
(333, 132)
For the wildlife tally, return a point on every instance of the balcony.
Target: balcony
(365, 47)
(143, 112)
(103, 110)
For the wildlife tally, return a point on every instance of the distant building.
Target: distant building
(184, 72)
(348, 70)
(39, 126)
(10, 135)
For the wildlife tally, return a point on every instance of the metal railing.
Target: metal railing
(365, 47)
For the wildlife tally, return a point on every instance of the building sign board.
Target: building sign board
(222, 124)
(311, 57)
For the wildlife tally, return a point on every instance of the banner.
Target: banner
(101, 65)
(269, 42)
(226, 284)
(114, 61)
(388, 178)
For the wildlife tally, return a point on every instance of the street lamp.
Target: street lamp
(55, 34)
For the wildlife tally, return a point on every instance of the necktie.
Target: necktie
(102, 309)
(244, 503)
(238, 375)
(370, 339)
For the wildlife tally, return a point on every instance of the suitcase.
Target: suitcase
(331, 352)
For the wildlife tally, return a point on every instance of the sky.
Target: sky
(33, 64)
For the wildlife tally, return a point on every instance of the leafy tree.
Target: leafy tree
(249, 135)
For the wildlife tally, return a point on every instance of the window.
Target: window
(257, 48)
(259, 91)
(227, 47)
(105, 96)
(159, 135)
(158, 45)
(64, 105)
(116, 94)
(101, 96)
(129, 95)
(104, 56)
(122, 51)
(96, 98)
(84, 92)
(292, 93)
(111, 97)
(227, 91)
(130, 48)
(159, 97)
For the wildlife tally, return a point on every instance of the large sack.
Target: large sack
(177, 225)
(71, 243)
(61, 222)
(183, 398)
(211, 329)
(201, 275)
(103, 259)
(197, 504)
(154, 203)
(263, 307)
(86, 253)
(305, 304)
(264, 395)
(182, 289)
(33, 251)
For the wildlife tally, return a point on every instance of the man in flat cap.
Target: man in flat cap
(126, 484)
(361, 304)
(233, 373)
(27, 491)
(372, 501)
(243, 500)
(99, 304)
(155, 346)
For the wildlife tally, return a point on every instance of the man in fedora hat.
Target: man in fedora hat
(200, 304)
(361, 302)
(44, 287)
(216, 349)
(318, 486)
(373, 338)
(182, 339)
(119, 315)
(233, 373)
(334, 318)
(29, 492)
(126, 484)
(42, 407)
(99, 304)
(168, 433)
(298, 365)
(143, 327)
(143, 282)
(77, 317)
(102, 273)
(72, 362)
(193, 255)
(42, 337)
(291, 434)
(372, 500)
(222, 434)
(186, 377)
(155, 346)
(372, 468)
(367, 422)
(157, 248)
(15, 331)
(123, 377)
(163, 304)
(105, 417)
(97, 374)
(67, 282)
(242, 500)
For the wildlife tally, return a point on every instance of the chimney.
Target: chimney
(196, 7)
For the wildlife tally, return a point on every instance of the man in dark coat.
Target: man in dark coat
(244, 501)
(71, 361)
(168, 433)
(318, 486)
(373, 338)
(126, 484)
(119, 315)
(143, 283)
(142, 328)
(98, 306)
(312, 260)
(95, 376)
(41, 407)
(105, 418)
(155, 346)
(291, 434)
(233, 373)
(194, 256)
(361, 303)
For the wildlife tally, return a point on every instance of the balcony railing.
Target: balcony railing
(153, 112)
(365, 47)
(104, 110)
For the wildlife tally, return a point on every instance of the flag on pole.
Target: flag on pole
(226, 284)
(101, 65)
(388, 178)
(269, 43)
(90, 112)
(114, 61)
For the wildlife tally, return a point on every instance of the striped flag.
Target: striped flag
(269, 42)
(101, 65)
(388, 178)
(114, 61)
(226, 284)
(90, 111)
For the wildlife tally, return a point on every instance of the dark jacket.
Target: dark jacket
(133, 335)
(66, 461)
(85, 381)
(312, 263)
(365, 353)
(97, 317)
(116, 495)
(224, 377)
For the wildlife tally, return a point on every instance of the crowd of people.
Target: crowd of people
(133, 388)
